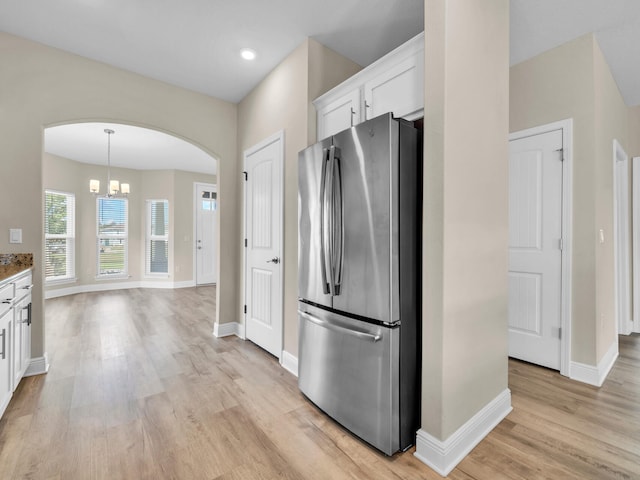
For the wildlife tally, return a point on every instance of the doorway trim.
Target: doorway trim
(280, 138)
(636, 241)
(621, 247)
(566, 126)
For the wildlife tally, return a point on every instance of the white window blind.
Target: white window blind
(112, 225)
(59, 235)
(157, 244)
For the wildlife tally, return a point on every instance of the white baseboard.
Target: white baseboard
(226, 329)
(289, 362)
(37, 366)
(595, 375)
(102, 287)
(443, 456)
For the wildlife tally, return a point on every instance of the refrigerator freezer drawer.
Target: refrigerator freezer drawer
(349, 369)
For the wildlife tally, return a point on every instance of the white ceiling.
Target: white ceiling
(131, 147)
(195, 44)
(539, 25)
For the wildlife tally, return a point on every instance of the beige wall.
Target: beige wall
(173, 185)
(464, 341)
(42, 86)
(611, 122)
(282, 101)
(574, 81)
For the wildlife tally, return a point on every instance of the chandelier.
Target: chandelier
(115, 188)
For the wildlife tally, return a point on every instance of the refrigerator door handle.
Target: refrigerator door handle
(330, 235)
(337, 328)
(323, 233)
(338, 220)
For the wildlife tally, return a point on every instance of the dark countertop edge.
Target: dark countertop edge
(15, 276)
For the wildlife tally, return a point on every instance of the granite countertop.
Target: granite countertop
(13, 263)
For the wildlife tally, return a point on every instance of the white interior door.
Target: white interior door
(206, 213)
(263, 230)
(621, 232)
(535, 242)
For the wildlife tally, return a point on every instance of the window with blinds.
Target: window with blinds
(59, 235)
(157, 238)
(112, 236)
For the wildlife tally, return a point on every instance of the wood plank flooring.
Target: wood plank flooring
(139, 389)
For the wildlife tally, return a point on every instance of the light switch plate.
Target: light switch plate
(15, 235)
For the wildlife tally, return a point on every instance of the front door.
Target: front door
(535, 243)
(206, 212)
(263, 230)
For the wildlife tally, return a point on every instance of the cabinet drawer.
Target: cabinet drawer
(24, 283)
(23, 286)
(6, 293)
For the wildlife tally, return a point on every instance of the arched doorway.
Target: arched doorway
(156, 245)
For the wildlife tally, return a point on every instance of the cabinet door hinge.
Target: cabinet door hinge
(245, 243)
(560, 333)
(246, 176)
(561, 243)
(561, 150)
(245, 309)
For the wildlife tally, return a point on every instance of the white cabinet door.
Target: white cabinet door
(6, 322)
(23, 314)
(16, 346)
(339, 115)
(399, 90)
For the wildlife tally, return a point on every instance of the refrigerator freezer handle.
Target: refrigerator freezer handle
(337, 328)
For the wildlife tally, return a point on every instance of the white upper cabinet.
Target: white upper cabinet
(400, 90)
(394, 83)
(340, 114)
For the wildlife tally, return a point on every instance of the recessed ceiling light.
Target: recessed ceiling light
(248, 54)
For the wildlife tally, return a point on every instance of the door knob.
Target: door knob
(275, 260)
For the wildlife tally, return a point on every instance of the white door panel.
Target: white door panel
(206, 211)
(263, 223)
(535, 261)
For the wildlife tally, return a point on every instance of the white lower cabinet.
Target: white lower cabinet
(15, 333)
(6, 376)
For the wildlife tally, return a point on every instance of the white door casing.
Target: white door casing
(622, 252)
(263, 166)
(539, 245)
(206, 206)
(636, 242)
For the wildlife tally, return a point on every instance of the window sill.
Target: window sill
(113, 277)
(60, 281)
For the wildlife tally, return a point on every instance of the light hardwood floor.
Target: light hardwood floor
(139, 388)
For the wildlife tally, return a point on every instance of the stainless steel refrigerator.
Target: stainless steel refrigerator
(359, 237)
